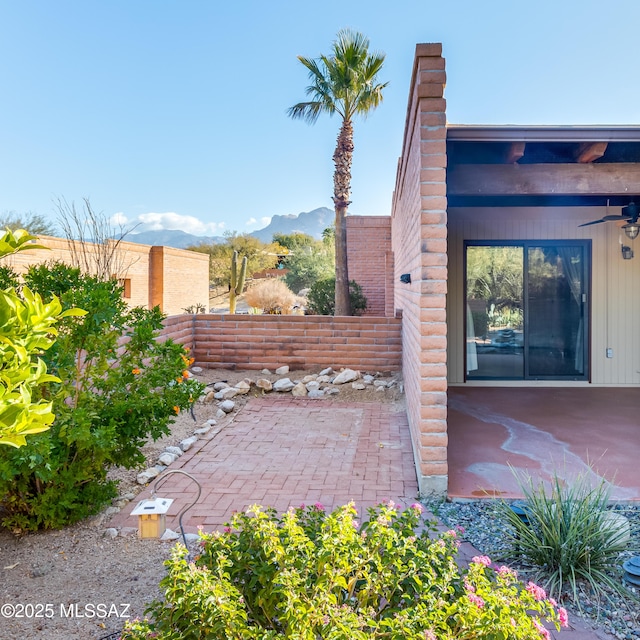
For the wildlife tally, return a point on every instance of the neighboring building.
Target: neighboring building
(509, 284)
(172, 279)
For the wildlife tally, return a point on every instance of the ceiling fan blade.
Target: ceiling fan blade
(605, 219)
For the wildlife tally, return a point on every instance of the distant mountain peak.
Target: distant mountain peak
(312, 223)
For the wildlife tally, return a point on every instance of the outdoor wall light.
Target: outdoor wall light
(631, 230)
(627, 252)
(406, 278)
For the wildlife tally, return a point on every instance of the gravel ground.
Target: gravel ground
(615, 614)
(79, 583)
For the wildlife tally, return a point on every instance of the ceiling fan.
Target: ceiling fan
(629, 214)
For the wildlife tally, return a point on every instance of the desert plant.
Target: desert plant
(321, 297)
(566, 535)
(236, 282)
(272, 296)
(311, 574)
(117, 387)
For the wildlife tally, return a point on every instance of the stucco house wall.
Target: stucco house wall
(170, 278)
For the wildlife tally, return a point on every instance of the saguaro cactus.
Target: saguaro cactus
(238, 274)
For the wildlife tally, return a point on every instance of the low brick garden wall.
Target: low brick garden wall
(302, 342)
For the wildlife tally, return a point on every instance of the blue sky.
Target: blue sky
(173, 113)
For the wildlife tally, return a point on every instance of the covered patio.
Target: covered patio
(542, 431)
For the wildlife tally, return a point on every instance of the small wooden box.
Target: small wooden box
(152, 517)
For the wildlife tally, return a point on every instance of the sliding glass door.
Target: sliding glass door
(526, 310)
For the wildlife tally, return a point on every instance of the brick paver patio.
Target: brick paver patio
(282, 451)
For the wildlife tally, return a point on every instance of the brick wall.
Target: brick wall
(419, 243)
(264, 341)
(371, 261)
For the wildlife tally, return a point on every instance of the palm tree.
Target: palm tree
(344, 82)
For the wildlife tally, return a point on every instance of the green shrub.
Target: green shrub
(567, 537)
(113, 394)
(309, 574)
(323, 293)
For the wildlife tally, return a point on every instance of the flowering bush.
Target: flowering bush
(116, 387)
(309, 574)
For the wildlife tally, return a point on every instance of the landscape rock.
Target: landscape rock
(220, 414)
(368, 378)
(284, 384)
(348, 375)
(266, 372)
(264, 384)
(125, 532)
(228, 392)
(242, 387)
(167, 458)
(211, 422)
(280, 371)
(192, 537)
(187, 443)
(196, 369)
(359, 386)
(310, 378)
(381, 388)
(210, 397)
(170, 535)
(144, 477)
(331, 391)
(299, 390)
(316, 393)
(323, 378)
(228, 406)
(202, 431)
(177, 451)
(111, 532)
(326, 372)
(219, 386)
(312, 385)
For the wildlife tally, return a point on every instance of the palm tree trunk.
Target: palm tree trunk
(342, 158)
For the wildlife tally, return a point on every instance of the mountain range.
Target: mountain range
(312, 223)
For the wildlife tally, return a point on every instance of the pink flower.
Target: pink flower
(429, 635)
(452, 533)
(227, 529)
(506, 571)
(485, 560)
(563, 617)
(418, 507)
(543, 632)
(318, 506)
(469, 587)
(537, 592)
(477, 600)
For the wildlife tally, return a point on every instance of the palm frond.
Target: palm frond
(344, 82)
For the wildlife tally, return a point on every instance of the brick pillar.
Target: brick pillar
(156, 277)
(419, 242)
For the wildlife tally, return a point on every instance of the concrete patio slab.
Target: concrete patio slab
(542, 431)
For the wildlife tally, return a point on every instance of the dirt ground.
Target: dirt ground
(80, 583)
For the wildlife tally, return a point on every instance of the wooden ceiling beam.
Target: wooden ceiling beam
(544, 179)
(515, 151)
(590, 151)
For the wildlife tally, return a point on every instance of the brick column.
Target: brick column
(419, 241)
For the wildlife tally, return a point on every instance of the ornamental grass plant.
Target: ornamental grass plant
(567, 536)
(310, 574)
